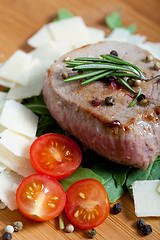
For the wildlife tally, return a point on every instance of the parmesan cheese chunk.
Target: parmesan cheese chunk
(16, 143)
(17, 68)
(68, 29)
(18, 164)
(2, 99)
(9, 184)
(39, 38)
(15, 116)
(146, 198)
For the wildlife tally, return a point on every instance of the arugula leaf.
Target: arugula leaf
(132, 28)
(114, 20)
(38, 108)
(80, 173)
(63, 14)
(151, 173)
(114, 190)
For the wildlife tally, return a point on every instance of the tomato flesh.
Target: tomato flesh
(40, 197)
(87, 203)
(55, 155)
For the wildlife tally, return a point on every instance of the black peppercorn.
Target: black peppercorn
(147, 229)
(92, 233)
(113, 52)
(141, 97)
(7, 236)
(110, 101)
(110, 78)
(140, 223)
(117, 208)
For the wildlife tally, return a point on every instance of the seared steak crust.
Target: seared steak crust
(123, 134)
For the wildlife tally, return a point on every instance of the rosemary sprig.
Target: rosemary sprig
(135, 100)
(91, 69)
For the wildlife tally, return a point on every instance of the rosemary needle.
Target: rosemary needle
(97, 68)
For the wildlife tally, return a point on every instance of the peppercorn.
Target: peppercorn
(140, 223)
(157, 66)
(65, 75)
(149, 58)
(92, 233)
(110, 78)
(144, 102)
(130, 81)
(67, 59)
(113, 52)
(17, 226)
(9, 229)
(146, 230)
(137, 83)
(69, 228)
(110, 101)
(7, 236)
(141, 97)
(117, 208)
(96, 102)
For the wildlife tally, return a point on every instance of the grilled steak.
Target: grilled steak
(123, 134)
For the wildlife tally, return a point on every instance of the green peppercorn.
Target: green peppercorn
(110, 101)
(144, 102)
(17, 226)
(92, 233)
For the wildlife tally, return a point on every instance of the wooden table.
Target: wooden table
(20, 19)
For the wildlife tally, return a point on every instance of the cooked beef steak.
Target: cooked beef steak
(123, 134)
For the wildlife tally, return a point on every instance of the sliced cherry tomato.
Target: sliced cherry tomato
(56, 155)
(40, 197)
(87, 203)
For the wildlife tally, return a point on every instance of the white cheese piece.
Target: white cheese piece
(2, 167)
(46, 54)
(17, 68)
(2, 99)
(68, 29)
(94, 35)
(123, 35)
(15, 116)
(18, 164)
(146, 198)
(34, 86)
(16, 143)
(9, 184)
(39, 38)
(153, 48)
(6, 83)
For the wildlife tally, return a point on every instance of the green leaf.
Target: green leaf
(38, 108)
(63, 14)
(113, 20)
(151, 173)
(80, 173)
(132, 28)
(114, 178)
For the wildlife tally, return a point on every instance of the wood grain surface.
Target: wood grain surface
(20, 19)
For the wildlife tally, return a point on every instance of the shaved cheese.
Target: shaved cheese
(47, 54)
(6, 83)
(16, 143)
(18, 164)
(146, 198)
(15, 116)
(17, 68)
(2, 99)
(11, 181)
(123, 35)
(2, 167)
(153, 48)
(68, 29)
(40, 38)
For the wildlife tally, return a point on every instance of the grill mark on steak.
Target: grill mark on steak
(120, 133)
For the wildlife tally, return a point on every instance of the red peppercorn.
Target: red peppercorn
(96, 102)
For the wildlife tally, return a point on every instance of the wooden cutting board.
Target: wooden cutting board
(20, 19)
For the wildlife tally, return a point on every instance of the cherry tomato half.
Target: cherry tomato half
(40, 197)
(56, 155)
(87, 203)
